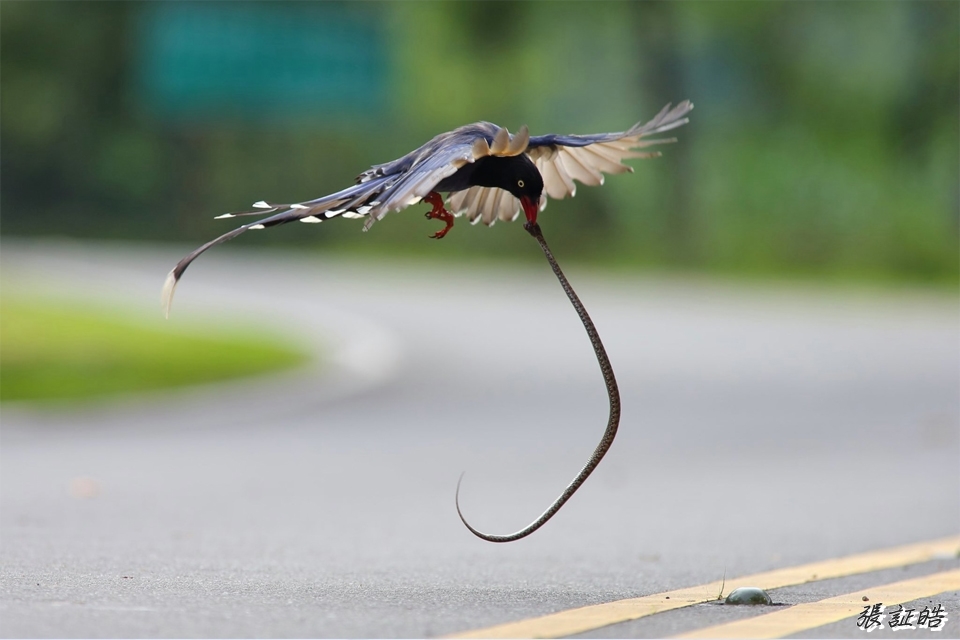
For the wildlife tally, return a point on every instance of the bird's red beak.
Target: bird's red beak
(530, 209)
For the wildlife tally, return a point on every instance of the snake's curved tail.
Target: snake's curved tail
(612, 423)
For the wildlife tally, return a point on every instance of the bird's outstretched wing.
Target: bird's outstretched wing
(423, 169)
(379, 190)
(585, 158)
(563, 159)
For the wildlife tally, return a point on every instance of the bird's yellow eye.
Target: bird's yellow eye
(520, 183)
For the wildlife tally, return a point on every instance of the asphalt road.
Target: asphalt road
(762, 428)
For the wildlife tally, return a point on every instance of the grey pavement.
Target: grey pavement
(762, 427)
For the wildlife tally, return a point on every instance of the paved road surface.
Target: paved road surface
(761, 428)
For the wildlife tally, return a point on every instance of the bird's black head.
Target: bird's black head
(527, 187)
(516, 174)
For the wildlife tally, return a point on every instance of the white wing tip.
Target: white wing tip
(166, 296)
(260, 204)
(226, 215)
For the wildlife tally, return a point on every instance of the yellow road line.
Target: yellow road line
(811, 615)
(573, 621)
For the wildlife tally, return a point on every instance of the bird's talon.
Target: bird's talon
(438, 213)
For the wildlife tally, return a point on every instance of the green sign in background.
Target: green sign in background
(206, 60)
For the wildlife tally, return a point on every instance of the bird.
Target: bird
(487, 173)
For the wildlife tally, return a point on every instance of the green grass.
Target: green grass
(65, 351)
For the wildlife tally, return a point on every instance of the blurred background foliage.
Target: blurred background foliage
(824, 142)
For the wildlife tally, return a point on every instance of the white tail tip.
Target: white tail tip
(166, 296)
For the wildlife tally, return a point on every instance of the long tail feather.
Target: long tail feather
(170, 285)
(174, 276)
(351, 202)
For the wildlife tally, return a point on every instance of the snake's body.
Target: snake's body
(613, 393)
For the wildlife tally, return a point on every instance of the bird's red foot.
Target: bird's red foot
(438, 213)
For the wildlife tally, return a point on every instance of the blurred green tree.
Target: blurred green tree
(824, 140)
